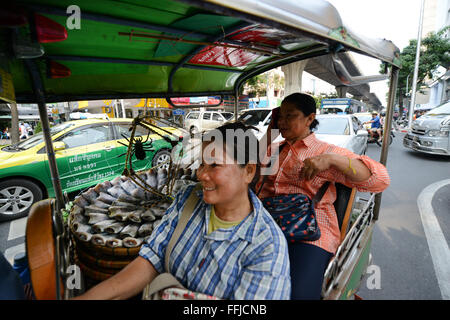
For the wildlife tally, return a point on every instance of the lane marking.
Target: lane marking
(11, 252)
(439, 250)
(17, 228)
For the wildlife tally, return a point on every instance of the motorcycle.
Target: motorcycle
(376, 137)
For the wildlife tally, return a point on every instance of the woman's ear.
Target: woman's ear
(311, 118)
(250, 171)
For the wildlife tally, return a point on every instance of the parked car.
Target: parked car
(197, 121)
(430, 132)
(343, 131)
(87, 152)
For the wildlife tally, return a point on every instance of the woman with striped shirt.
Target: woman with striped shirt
(231, 247)
(304, 165)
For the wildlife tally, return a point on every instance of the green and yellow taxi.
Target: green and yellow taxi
(87, 152)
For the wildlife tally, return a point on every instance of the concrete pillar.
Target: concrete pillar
(341, 91)
(293, 76)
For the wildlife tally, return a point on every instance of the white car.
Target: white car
(343, 131)
(198, 121)
(257, 117)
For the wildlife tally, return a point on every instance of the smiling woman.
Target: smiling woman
(231, 248)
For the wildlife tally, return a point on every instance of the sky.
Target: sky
(395, 20)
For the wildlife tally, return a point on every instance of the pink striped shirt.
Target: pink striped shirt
(286, 181)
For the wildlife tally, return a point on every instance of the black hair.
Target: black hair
(304, 103)
(248, 147)
(244, 151)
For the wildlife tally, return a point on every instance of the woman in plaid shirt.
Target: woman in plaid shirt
(304, 164)
(231, 247)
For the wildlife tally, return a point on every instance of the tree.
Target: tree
(434, 52)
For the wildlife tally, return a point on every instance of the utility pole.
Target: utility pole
(416, 68)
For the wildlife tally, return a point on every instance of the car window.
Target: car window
(216, 117)
(356, 124)
(443, 109)
(192, 115)
(206, 116)
(253, 117)
(39, 137)
(86, 136)
(228, 115)
(333, 126)
(123, 130)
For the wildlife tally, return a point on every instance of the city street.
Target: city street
(401, 247)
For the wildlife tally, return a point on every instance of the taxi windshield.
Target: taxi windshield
(37, 138)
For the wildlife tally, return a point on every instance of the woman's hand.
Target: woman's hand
(312, 166)
(354, 169)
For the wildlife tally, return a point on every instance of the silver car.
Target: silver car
(430, 132)
(343, 131)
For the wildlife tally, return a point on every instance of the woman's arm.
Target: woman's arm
(353, 169)
(125, 284)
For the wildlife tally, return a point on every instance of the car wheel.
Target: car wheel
(162, 156)
(16, 198)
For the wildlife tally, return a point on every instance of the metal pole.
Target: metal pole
(387, 131)
(416, 67)
(39, 92)
(123, 108)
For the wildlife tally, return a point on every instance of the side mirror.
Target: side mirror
(362, 133)
(59, 145)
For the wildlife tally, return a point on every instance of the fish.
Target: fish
(93, 208)
(129, 231)
(95, 217)
(141, 194)
(100, 204)
(116, 191)
(77, 226)
(128, 186)
(158, 212)
(106, 198)
(114, 243)
(145, 229)
(128, 199)
(115, 227)
(164, 205)
(90, 195)
(100, 239)
(116, 181)
(83, 236)
(80, 201)
(127, 205)
(100, 227)
(131, 242)
(78, 217)
(101, 187)
(135, 216)
(148, 215)
(151, 179)
(82, 231)
(119, 215)
(161, 177)
(77, 210)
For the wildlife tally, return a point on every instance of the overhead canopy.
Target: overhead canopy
(132, 49)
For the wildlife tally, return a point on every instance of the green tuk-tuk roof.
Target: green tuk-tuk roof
(133, 48)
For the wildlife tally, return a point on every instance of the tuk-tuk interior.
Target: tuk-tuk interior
(56, 51)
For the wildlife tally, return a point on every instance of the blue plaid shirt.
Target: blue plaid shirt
(248, 261)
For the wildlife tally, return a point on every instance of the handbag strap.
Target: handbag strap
(320, 192)
(182, 222)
